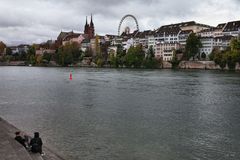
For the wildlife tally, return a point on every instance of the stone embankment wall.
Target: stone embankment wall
(208, 65)
(199, 65)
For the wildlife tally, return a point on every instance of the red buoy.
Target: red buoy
(70, 77)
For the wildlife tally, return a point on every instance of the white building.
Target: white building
(222, 42)
(218, 37)
(232, 29)
(207, 45)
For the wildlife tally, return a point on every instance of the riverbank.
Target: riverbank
(12, 150)
(201, 65)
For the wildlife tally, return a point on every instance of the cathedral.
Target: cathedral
(89, 28)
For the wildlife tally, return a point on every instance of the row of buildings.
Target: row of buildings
(163, 40)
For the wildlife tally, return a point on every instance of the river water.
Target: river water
(108, 114)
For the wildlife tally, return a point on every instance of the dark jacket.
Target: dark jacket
(20, 140)
(36, 145)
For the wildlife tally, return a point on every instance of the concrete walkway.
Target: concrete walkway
(10, 149)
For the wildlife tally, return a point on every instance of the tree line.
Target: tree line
(228, 57)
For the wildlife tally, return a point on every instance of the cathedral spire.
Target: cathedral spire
(86, 28)
(91, 23)
(86, 21)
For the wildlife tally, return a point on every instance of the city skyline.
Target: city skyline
(38, 21)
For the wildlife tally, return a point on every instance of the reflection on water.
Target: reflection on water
(126, 114)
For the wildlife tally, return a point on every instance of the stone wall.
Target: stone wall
(199, 65)
(166, 65)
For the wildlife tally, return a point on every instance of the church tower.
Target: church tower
(89, 28)
(86, 28)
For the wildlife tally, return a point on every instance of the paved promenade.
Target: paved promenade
(12, 150)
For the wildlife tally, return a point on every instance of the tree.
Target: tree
(2, 47)
(8, 51)
(150, 61)
(213, 53)
(97, 46)
(220, 59)
(113, 59)
(230, 56)
(68, 54)
(32, 60)
(31, 55)
(120, 58)
(192, 46)
(150, 53)
(39, 59)
(175, 62)
(134, 57)
(88, 52)
(46, 57)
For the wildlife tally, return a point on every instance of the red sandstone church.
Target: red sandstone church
(89, 28)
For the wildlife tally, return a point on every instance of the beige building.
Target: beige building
(165, 50)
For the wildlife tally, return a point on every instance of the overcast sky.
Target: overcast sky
(35, 21)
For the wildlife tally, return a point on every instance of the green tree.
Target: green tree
(120, 58)
(8, 51)
(32, 59)
(230, 56)
(150, 61)
(68, 54)
(150, 52)
(2, 47)
(46, 57)
(88, 52)
(31, 55)
(220, 59)
(192, 46)
(134, 57)
(213, 53)
(113, 60)
(175, 62)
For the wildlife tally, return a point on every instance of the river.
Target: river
(110, 114)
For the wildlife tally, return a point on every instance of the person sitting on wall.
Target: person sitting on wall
(36, 144)
(20, 139)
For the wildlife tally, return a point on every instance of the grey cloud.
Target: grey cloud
(39, 20)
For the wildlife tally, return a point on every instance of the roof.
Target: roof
(232, 26)
(128, 36)
(70, 36)
(1, 42)
(63, 34)
(186, 24)
(221, 26)
(168, 30)
(23, 45)
(111, 36)
(144, 34)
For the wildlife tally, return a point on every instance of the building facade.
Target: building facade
(165, 50)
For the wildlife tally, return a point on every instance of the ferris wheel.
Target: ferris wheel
(128, 24)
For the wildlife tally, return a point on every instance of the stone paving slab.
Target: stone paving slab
(12, 150)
